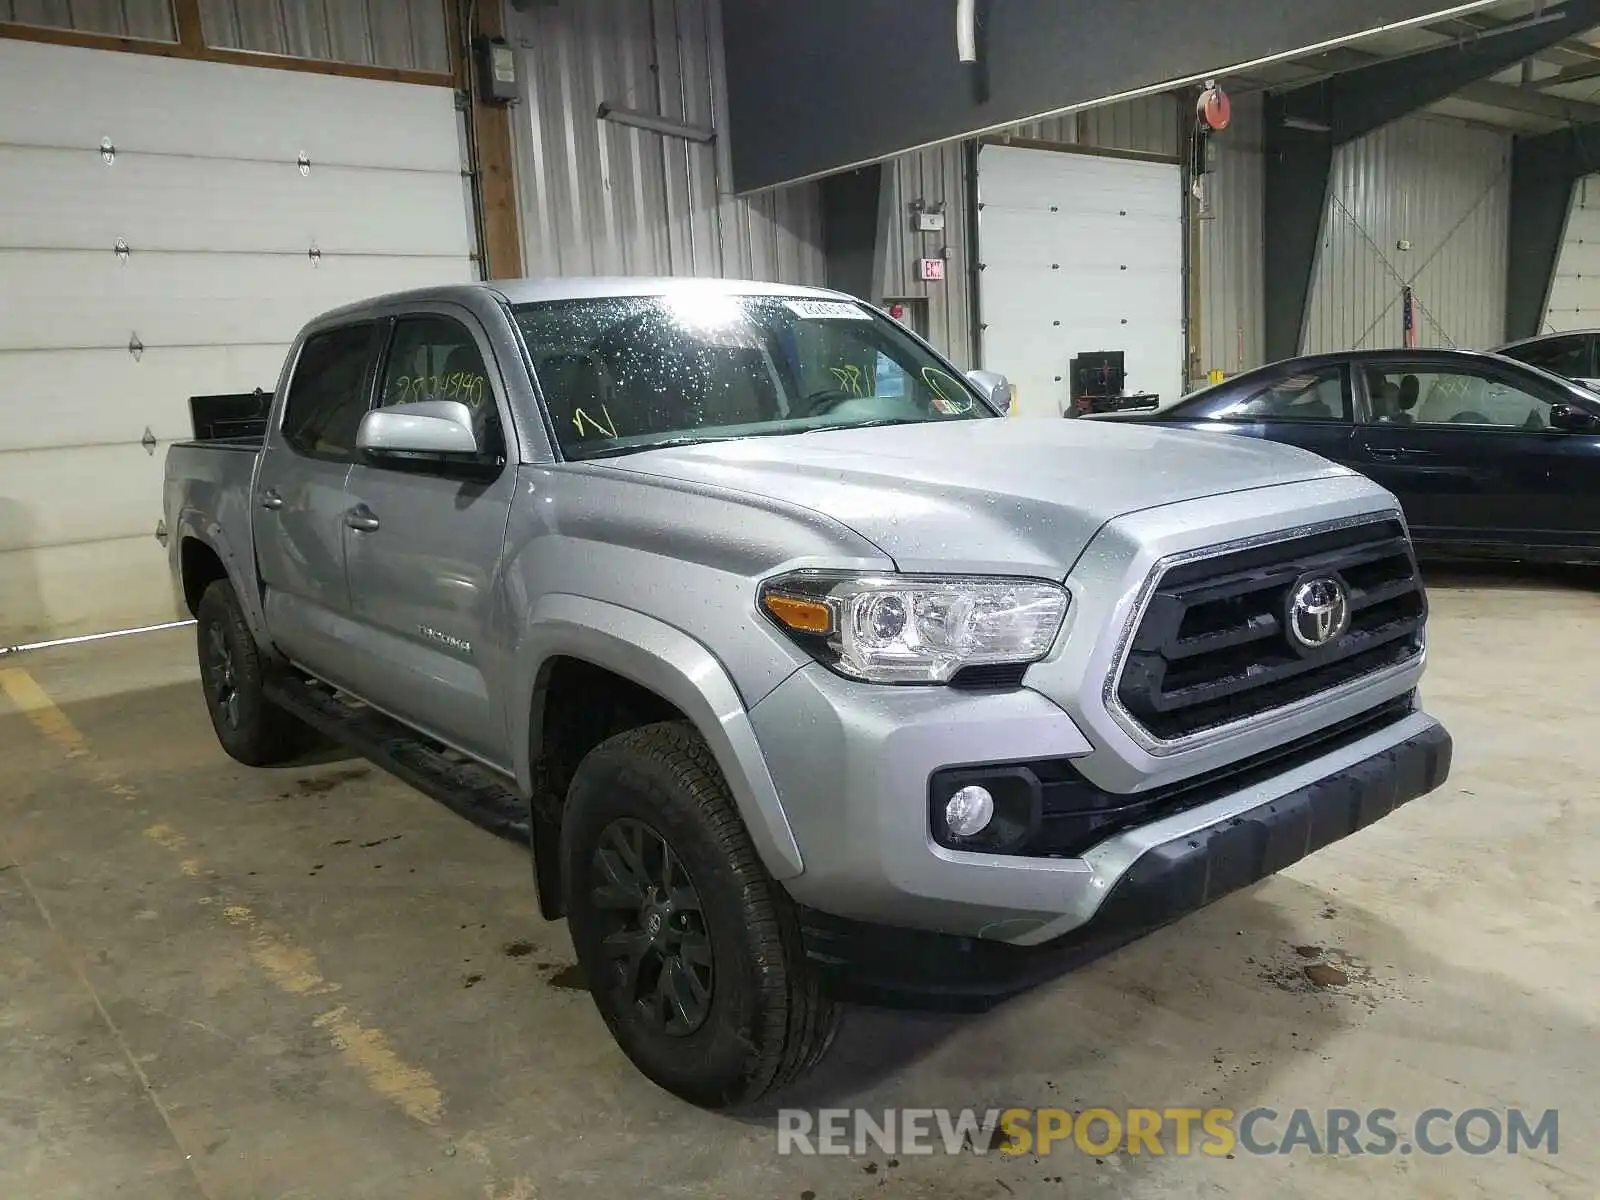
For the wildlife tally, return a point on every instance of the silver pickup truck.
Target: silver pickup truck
(807, 675)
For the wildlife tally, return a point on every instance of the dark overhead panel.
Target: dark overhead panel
(816, 86)
(1544, 170)
(1304, 124)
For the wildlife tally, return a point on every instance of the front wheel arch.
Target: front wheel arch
(668, 664)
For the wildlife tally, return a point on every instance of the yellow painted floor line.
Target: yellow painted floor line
(291, 968)
(31, 700)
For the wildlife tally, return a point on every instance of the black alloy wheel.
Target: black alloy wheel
(233, 677)
(217, 672)
(657, 948)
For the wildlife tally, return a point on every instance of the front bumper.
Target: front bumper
(1161, 872)
(852, 764)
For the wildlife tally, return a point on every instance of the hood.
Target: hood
(991, 496)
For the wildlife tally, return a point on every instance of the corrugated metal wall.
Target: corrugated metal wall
(1445, 188)
(1148, 124)
(122, 18)
(408, 34)
(1575, 290)
(1232, 315)
(939, 177)
(600, 198)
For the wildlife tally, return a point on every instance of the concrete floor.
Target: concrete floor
(314, 982)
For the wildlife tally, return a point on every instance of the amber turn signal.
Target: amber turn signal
(803, 616)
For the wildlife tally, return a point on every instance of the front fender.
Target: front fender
(679, 669)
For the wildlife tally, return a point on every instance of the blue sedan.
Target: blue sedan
(1489, 457)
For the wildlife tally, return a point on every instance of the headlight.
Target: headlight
(915, 629)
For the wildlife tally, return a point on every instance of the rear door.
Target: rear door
(299, 497)
(1471, 453)
(423, 539)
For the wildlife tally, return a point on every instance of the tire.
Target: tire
(232, 673)
(762, 1019)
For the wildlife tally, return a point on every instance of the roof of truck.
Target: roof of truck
(529, 291)
(522, 291)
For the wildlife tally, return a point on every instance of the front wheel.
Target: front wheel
(691, 950)
(250, 727)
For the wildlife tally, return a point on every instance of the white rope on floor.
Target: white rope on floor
(91, 637)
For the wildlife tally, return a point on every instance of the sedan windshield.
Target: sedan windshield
(627, 373)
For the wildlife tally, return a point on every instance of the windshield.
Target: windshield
(627, 373)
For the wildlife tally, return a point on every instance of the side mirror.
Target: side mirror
(994, 387)
(427, 427)
(1569, 418)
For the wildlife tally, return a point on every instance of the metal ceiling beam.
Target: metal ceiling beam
(1342, 60)
(1589, 70)
(1537, 104)
(1571, 47)
(1304, 123)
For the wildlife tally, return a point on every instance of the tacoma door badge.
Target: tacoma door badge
(445, 639)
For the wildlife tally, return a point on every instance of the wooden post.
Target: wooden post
(496, 187)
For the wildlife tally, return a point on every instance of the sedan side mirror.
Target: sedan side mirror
(427, 427)
(994, 387)
(1569, 418)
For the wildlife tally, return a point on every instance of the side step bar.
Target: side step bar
(455, 781)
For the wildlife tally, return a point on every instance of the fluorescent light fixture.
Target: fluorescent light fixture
(665, 126)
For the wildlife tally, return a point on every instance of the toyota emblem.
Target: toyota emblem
(1319, 612)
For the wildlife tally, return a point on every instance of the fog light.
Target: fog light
(969, 811)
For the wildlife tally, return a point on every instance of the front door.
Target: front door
(299, 498)
(1307, 407)
(1469, 450)
(423, 537)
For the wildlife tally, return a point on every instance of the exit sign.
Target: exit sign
(930, 270)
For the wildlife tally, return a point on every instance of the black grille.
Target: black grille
(1212, 647)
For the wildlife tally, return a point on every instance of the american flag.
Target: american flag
(1410, 318)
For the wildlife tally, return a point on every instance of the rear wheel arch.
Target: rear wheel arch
(200, 566)
(205, 554)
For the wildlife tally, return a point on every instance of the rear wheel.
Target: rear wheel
(692, 952)
(250, 727)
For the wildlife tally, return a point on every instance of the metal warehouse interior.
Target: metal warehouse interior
(316, 981)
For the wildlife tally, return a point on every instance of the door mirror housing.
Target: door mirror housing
(1569, 418)
(993, 387)
(427, 427)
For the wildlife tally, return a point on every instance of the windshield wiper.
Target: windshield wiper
(641, 447)
(780, 431)
(879, 424)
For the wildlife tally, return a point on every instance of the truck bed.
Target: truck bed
(208, 484)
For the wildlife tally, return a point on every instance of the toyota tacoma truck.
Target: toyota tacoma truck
(808, 676)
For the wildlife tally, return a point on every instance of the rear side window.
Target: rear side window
(1567, 356)
(1316, 395)
(328, 394)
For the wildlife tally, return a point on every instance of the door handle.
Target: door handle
(1397, 453)
(271, 499)
(362, 518)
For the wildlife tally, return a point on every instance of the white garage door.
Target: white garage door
(197, 237)
(1575, 290)
(1080, 254)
